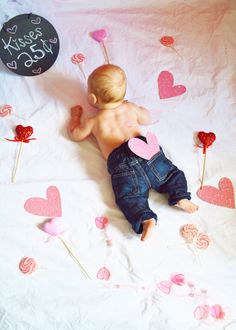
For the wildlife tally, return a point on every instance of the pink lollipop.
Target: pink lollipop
(100, 36)
(202, 241)
(27, 265)
(5, 110)
(78, 59)
(189, 232)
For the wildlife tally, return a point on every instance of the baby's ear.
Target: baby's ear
(92, 98)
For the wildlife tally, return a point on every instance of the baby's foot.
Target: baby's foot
(147, 229)
(187, 205)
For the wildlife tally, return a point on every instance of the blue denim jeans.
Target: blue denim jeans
(132, 177)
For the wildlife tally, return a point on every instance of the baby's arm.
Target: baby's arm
(79, 131)
(144, 117)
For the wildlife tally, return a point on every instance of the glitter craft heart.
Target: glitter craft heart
(166, 86)
(50, 207)
(103, 274)
(24, 132)
(99, 35)
(53, 227)
(143, 149)
(224, 196)
(207, 139)
(165, 286)
(101, 222)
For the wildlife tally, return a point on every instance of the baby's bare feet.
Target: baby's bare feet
(148, 226)
(187, 205)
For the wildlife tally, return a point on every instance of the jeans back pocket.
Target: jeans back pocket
(160, 166)
(125, 185)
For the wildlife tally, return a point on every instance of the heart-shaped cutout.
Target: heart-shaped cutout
(24, 132)
(143, 149)
(50, 207)
(165, 286)
(166, 86)
(206, 138)
(224, 196)
(99, 35)
(103, 274)
(53, 227)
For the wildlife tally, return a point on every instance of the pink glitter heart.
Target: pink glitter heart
(50, 207)
(101, 222)
(165, 286)
(224, 196)
(103, 274)
(53, 227)
(143, 149)
(99, 35)
(166, 86)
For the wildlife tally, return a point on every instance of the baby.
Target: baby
(132, 177)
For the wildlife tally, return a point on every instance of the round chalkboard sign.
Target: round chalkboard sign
(29, 44)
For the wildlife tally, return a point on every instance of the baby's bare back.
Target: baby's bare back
(112, 127)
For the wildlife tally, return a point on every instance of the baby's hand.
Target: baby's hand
(76, 111)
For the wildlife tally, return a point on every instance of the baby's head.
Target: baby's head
(106, 84)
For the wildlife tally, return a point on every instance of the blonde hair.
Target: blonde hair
(108, 83)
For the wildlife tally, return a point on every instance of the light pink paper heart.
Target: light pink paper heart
(53, 227)
(224, 196)
(201, 312)
(99, 35)
(143, 149)
(165, 286)
(101, 222)
(178, 279)
(166, 86)
(50, 207)
(217, 312)
(103, 274)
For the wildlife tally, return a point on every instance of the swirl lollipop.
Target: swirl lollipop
(27, 265)
(5, 110)
(189, 232)
(78, 59)
(168, 41)
(202, 241)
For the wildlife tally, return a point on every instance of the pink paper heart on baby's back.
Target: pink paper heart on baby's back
(224, 196)
(166, 86)
(143, 149)
(49, 207)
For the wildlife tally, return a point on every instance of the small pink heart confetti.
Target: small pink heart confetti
(101, 222)
(103, 274)
(165, 286)
(217, 312)
(178, 279)
(5, 110)
(201, 312)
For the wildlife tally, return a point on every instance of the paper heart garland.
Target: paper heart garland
(53, 227)
(166, 86)
(50, 207)
(143, 149)
(224, 196)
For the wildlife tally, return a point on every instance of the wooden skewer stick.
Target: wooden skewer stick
(17, 163)
(203, 171)
(105, 52)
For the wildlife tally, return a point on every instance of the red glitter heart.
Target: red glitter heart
(23, 132)
(207, 139)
